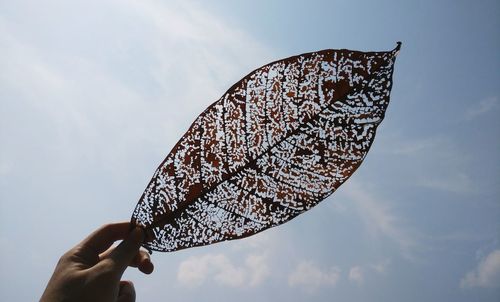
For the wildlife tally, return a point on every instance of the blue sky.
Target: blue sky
(94, 94)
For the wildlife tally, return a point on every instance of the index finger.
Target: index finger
(101, 239)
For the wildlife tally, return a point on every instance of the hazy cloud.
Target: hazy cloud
(486, 273)
(379, 218)
(85, 102)
(197, 55)
(456, 183)
(434, 162)
(411, 147)
(482, 107)
(381, 267)
(356, 275)
(310, 277)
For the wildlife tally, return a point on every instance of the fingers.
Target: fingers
(141, 260)
(126, 292)
(124, 253)
(101, 239)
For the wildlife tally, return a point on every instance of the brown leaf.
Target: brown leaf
(275, 144)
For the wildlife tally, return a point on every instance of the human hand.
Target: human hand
(91, 271)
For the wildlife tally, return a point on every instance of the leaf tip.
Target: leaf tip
(398, 47)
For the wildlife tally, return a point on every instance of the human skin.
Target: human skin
(92, 270)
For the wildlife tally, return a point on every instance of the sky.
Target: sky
(94, 94)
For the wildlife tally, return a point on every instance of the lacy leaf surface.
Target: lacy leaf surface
(277, 143)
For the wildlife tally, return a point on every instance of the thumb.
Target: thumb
(125, 252)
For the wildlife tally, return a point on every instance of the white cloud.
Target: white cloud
(486, 274)
(259, 269)
(483, 107)
(221, 269)
(310, 277)
(226, 273)
(356, 275)
(195, 271)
